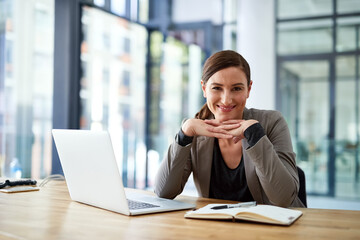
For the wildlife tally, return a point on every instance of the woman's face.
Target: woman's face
(226, 92)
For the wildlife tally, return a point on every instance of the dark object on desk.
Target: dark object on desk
(302, 189)
(9, 183)
(236, 205)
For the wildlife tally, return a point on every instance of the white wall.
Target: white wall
(256, 42)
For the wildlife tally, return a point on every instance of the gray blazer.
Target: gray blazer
(270, 165)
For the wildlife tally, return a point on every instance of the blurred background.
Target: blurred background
(133, 67)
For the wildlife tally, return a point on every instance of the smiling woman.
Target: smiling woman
(234, 153)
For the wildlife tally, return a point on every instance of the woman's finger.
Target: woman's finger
(212, 122)
(216, 130)
(230, 126)
(223, 128)
(233, 121)
(222, 135)
(236, 139)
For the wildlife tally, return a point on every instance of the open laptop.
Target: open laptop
(93, 177)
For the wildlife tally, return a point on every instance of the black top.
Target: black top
(226, 183)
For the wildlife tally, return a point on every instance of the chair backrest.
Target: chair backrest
(302, 189)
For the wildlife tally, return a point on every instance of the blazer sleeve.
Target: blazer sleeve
(174, 171)
(274, 162)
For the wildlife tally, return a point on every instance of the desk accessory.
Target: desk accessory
(23, 185)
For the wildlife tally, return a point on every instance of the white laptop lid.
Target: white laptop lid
(90, 168)
(92, 174)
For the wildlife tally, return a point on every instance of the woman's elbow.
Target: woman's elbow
(163, 193)
(285, 203)
(284, 198)
(165, 190)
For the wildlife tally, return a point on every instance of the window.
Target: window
(26, 87)
(347, 38)
(113, 90)
(175, 94)
(310, 36)
(297, 9)
(347, 6)
(347, 126)
(230, 9)
(318, 90)
(113, 84)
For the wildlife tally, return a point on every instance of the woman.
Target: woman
(234, 153)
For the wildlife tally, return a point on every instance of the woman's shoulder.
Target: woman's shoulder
(268, 119)
(261, 114)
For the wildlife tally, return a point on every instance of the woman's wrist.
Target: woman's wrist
(187, 129)
(254, 133)
(182, 139)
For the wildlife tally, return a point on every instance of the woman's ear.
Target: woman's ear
(250, 85)
(203, 87)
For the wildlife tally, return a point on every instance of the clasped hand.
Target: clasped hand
(214, 128)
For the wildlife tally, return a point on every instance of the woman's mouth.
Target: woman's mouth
(226, 108)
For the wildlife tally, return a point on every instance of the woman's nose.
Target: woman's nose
(226, 98)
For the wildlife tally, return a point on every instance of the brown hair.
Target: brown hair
(217, 62)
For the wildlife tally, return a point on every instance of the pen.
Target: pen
(236, 205)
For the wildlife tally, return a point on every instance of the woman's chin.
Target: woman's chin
(223, 118)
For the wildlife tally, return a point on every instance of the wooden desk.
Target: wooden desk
(50, 214)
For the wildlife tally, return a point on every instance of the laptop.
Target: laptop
(92, 175)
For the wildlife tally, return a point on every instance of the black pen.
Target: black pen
(236, 205)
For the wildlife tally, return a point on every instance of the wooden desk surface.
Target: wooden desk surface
(50, 214)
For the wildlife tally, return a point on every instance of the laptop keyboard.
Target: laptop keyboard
(133, 205)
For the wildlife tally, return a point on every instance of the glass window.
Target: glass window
(26, 88)
(118, 7)
(296, 9)
(347, 6)
(143, 11)
(230, 36)
(190, 36)
(302, 84)
(169, 101)
(357, 117)
(195, 98)
(230, 9)
(175, 94)
(112, 91)
(100, 3)
(310, 36)
(330, 157)
(156, 39)
(347, 30)
(347, 127)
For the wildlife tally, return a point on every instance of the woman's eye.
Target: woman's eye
(216, 88)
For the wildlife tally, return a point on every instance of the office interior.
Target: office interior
(133, 67)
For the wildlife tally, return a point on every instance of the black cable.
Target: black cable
(17, 183)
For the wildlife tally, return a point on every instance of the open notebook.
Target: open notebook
(260, 213)
(93, 178)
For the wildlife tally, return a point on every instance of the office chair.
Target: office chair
(302, 189)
